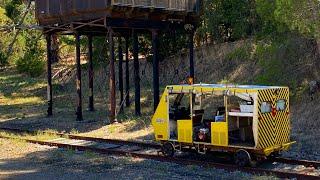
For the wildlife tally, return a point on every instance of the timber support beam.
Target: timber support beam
(120, 71)
(155, 50)
(136, 73)
(191, 55)
(78, 81)
(49, 76)
(112, 79)
(127, 74)
(91, 73)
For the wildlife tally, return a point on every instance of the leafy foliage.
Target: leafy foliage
(300, 15)
(13, 9)
(243, 53)
(3, 59)
(4, 37)
(228, 20)
(32, 61)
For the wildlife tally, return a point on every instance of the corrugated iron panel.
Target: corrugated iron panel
(136, 3)
(178, 5)
(161, 3)
(92, 6)
(80, 6)
(142, 3)
(41, 8)
(98, 5)
(54, 8)
(66, 7)
(193, 6)
(122, 2)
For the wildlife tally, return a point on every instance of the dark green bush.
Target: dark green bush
(3, 59)
(32, 61)
(31, 64)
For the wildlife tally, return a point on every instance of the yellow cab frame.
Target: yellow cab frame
(267, 124)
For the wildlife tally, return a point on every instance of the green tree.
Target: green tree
(301, 15)
(32, 62)
(13, 9)
(4, 20)
(228, 20)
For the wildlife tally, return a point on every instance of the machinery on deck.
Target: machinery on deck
(251, 122)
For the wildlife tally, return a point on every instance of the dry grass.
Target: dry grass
(305, 129)
(129, 130)
(23, 105)
(40, 136)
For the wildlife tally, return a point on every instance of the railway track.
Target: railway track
(77, 137)
(151, 151)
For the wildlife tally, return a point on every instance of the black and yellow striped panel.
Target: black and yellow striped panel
(282, 120)
(273, 129)
(266, 123)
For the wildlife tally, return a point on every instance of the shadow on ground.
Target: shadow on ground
(23, 105)
(52, 163)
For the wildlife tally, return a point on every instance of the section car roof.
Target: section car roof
(230, 86)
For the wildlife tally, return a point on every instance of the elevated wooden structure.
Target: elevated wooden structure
(50, 12)
(120, 18)
(96, 15)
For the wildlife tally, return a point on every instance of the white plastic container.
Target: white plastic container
(246, 108)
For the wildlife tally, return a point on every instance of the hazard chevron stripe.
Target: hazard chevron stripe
(273, 130)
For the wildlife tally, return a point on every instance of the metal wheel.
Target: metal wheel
(242, 158)
(167, 149)
(275, 154)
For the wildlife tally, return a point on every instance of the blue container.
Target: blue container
(219, 118)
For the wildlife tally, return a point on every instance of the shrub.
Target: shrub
(31, 64)
(32, 61)
(241, 53)
(3, 59)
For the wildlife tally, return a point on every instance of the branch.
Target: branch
(9, 52)
(21, 27)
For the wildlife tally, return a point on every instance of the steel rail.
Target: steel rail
(87, 138)
(227, 167)
(306, 163)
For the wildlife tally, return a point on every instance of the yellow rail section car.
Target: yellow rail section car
(252, 122)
